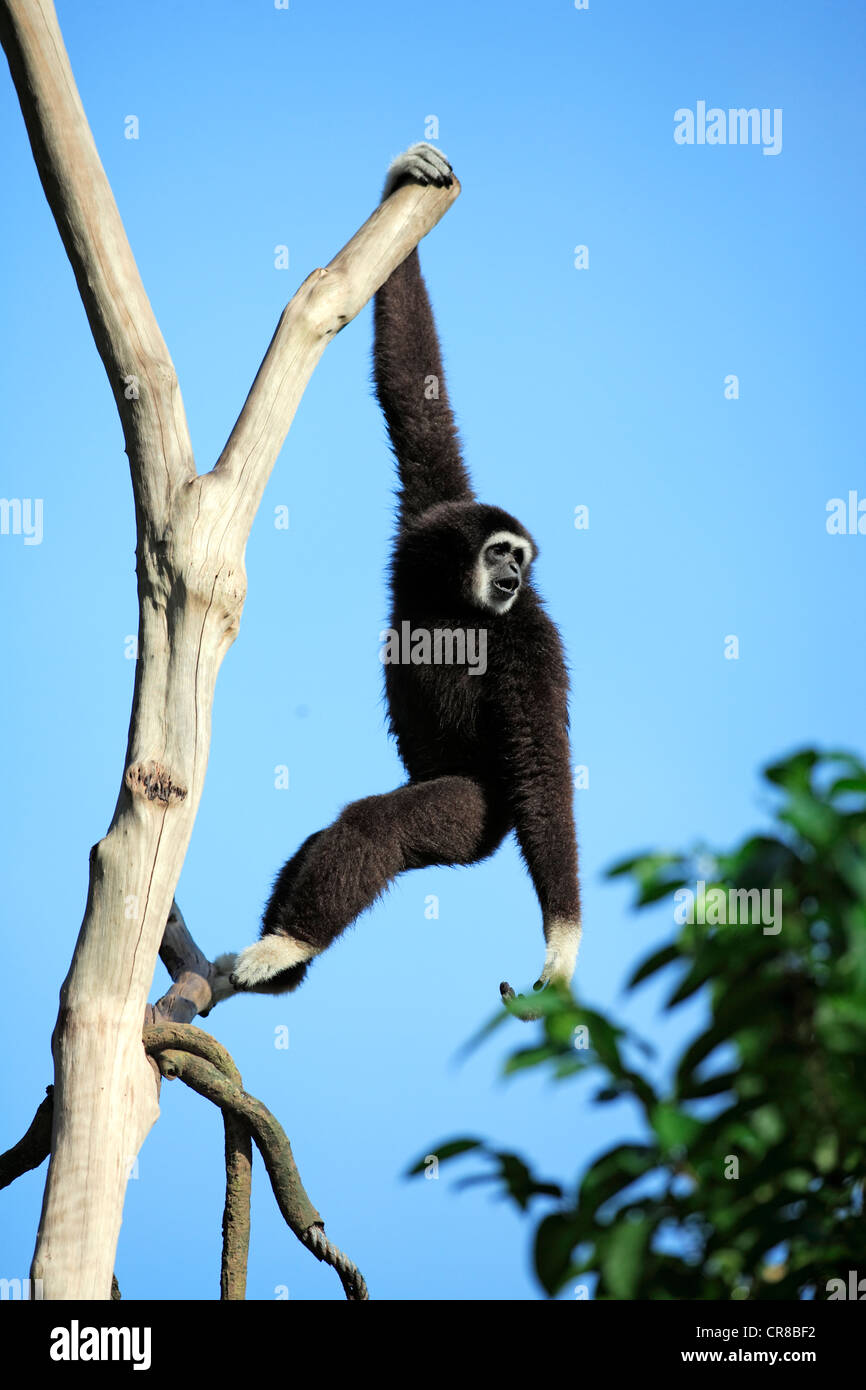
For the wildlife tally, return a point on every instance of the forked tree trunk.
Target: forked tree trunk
(192, 533)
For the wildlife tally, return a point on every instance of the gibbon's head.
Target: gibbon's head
(463, 555)
(500, 568)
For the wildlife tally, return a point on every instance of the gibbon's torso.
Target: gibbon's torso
(456, 718)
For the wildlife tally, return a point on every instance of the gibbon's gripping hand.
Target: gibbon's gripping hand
(421, 163)
(560, 958)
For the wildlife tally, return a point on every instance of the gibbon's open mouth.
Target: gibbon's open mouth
(508, 587)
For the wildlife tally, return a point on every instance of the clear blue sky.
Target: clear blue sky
(602, 387)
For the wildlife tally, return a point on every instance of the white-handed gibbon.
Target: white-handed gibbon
(486, 752)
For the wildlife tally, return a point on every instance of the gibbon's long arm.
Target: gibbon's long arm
(407, 369)
(533, 725)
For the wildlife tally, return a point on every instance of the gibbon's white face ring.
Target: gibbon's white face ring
(484, 594)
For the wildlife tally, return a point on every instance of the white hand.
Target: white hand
(421, 163)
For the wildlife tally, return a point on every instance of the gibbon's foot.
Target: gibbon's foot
(421, 163)
(273, 955)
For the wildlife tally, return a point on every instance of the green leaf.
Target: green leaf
(453, 1149)
(852, 869)
(760, 861)
(826, 1153)
(609, 1093)
(529, 1057)
(657, 961)
(847, 784)
(638, 863)
(611, 1174)
(793, 772)
(650, 870)
(814, 820)
(555, 1239)
(784, 1039)
(518, 1180)
(711, 1086)
(674, 1128)
(653, 890)
(692, 981)
(623, 1256)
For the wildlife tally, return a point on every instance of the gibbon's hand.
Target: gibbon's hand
(421, 163)
(560, 958)
(563, 940)
(508, 994)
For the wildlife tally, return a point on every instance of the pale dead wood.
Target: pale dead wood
(325, 303)
(192, 533)
(124, 329)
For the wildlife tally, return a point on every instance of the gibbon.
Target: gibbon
(486, 751)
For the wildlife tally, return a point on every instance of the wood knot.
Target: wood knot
(153, 781)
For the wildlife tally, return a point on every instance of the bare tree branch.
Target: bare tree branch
(33, 1148)
(236, 1211)
(191, 973)
(200, 1061)
(325, 303)
(124, 329)
(192, 533)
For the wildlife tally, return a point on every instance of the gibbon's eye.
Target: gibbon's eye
(519, 556)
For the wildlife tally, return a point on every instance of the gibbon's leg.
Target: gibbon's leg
(223, 984)
(340, 871)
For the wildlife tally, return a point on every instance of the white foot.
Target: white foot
(269, 957)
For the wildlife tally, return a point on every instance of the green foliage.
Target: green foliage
(749, 1181)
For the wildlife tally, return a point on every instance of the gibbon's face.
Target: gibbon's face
(500, 571)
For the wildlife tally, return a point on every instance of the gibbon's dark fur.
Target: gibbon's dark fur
(485, 754)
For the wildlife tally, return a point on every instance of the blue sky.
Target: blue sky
(602, 387)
